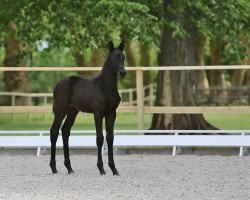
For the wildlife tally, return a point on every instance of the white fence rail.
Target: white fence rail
(237, 138)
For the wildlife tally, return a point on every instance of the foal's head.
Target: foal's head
(116, 59)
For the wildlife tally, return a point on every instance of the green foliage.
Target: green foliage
(214, 18)
(45, 81)
(83, 24)
(78, 26)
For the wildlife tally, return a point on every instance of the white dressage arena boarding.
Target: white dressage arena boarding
(176, 138)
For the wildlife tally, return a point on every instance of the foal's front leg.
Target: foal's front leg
(110, 120)
(99, 141)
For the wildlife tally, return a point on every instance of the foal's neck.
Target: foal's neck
(108, 79)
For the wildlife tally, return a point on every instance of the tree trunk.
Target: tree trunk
(96, 60)
(14, 57)
(202, 77)
(80, 62)
(246, 42)
(163, 98)
(145, 61)
(237, 81)
(238, 77)
(178, 85)
(131, 62)
(216, 76)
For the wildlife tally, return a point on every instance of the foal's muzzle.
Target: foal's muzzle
(122, 73)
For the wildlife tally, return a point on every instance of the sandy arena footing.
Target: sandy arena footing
(142, 177)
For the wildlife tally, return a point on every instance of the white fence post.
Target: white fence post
(175, 147)
(38, 153)
(104, 146)
(243, 150)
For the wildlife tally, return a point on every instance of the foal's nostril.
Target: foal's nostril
(122, 74)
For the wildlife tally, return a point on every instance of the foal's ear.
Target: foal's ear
(111, 46)
(121, 46)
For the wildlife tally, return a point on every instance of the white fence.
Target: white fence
(237, 138)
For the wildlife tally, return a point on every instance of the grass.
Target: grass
(229, 121)
(124, 121)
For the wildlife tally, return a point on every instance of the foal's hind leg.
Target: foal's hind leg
(110, 120)
(54, 132)
(71, 116)
(99, 141)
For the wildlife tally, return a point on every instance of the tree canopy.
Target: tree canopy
(85, 24)
(219, 20)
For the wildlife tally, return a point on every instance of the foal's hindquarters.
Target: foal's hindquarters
(61, 109)
(71, 113)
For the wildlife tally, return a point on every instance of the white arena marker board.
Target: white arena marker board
(132, 140)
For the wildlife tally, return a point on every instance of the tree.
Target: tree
(81, 26)
(201, 42)
(183, 20)
(231, 22)
(14, 53)
(145, 43)
(90, 24)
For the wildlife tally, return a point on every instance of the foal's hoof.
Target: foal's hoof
(53, 168)
(102, 172)
(71, 172)
(54, 171)
(115, 173)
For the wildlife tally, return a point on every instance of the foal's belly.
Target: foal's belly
(84, 107)
(89, 105)
(94, 106)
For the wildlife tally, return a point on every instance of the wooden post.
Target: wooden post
(45, 103)
(151, 95)
(140, 101)
(130, 97)
(29, 114)
(13, 103)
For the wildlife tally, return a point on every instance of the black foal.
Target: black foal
(99, 96)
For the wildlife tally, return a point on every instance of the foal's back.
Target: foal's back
(78, 92)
